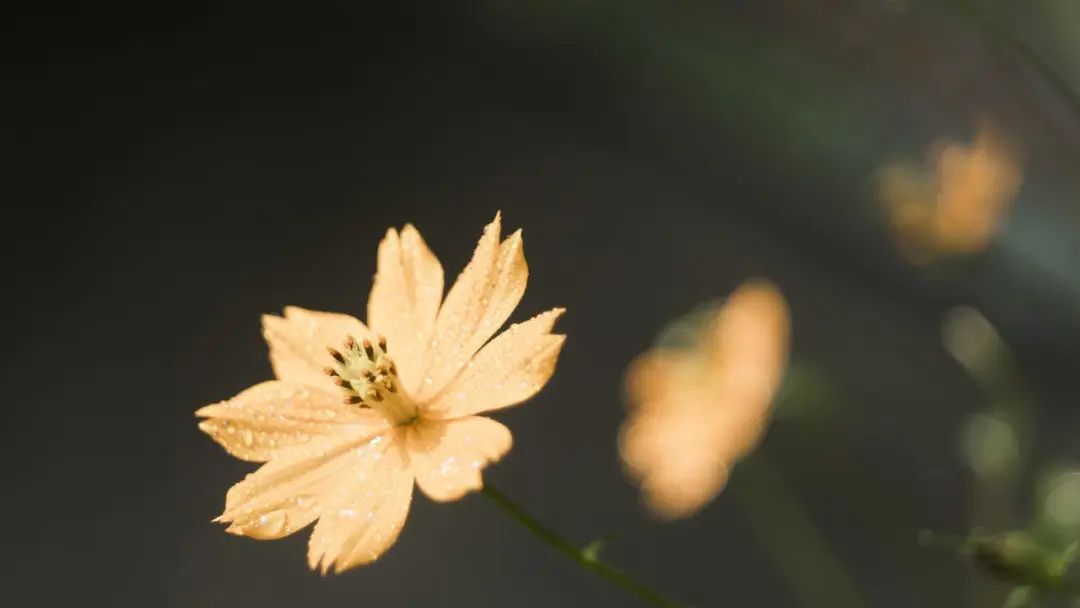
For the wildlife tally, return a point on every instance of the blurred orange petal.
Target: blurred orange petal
(695, 412)
(956, 205)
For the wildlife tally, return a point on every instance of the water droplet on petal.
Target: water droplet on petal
(267, 525)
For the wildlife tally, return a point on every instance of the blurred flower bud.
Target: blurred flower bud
(1060, 508)
(973, 341)
(1017, 558)
(956, 202)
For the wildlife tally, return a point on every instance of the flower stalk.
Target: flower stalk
(586, 557)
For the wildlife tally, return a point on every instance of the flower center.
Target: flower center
(368, 376)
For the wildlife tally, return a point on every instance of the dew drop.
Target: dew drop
(448, 466)
(267, 525)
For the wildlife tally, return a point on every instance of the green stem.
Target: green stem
(585, 558)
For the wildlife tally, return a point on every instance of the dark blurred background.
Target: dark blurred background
(178, 171)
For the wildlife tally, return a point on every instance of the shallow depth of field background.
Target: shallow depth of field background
(179, 173)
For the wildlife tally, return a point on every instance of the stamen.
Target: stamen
(368, 378)
(335, 354)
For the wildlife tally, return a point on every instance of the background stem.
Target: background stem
(799, 551)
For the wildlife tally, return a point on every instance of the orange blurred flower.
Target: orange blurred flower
(350, 462)
(957, 209)
(695, 411)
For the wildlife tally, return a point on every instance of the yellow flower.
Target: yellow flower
(959, 208)
(412, 385)
(695, 411)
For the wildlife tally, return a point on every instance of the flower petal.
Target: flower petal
(448, 455)
(263, 420)
(405, 299)
(364, 513)
(480, 301)
(291, 490)
(694, 413)
(678, 455)
(649, 378)
(748, 344)
(298, 344)
(508, 370)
